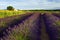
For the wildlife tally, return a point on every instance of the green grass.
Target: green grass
(58, 23)
(6, 13)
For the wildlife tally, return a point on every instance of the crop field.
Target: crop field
(7, 13)
(29, 25)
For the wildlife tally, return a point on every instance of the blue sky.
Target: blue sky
(30, 4)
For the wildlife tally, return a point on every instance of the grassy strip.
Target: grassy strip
(6, 13)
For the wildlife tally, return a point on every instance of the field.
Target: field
(6, 13)
(29, 25)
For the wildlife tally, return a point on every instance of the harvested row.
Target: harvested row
(52, 26)
(11, 24)
(27, 30)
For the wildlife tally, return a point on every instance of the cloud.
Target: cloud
(54, 1)
(30, 4)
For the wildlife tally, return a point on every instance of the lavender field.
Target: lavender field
(31, 26)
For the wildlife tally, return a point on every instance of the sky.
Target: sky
(30, 4)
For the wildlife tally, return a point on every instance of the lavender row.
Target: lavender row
(10, 21)
(27, 30)
(56, 14)
(11, 24)
(52, 26)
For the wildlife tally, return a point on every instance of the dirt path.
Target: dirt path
(44, 35)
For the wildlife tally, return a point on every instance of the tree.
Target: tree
(10, 8)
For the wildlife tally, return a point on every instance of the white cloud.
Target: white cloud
(31, 4)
